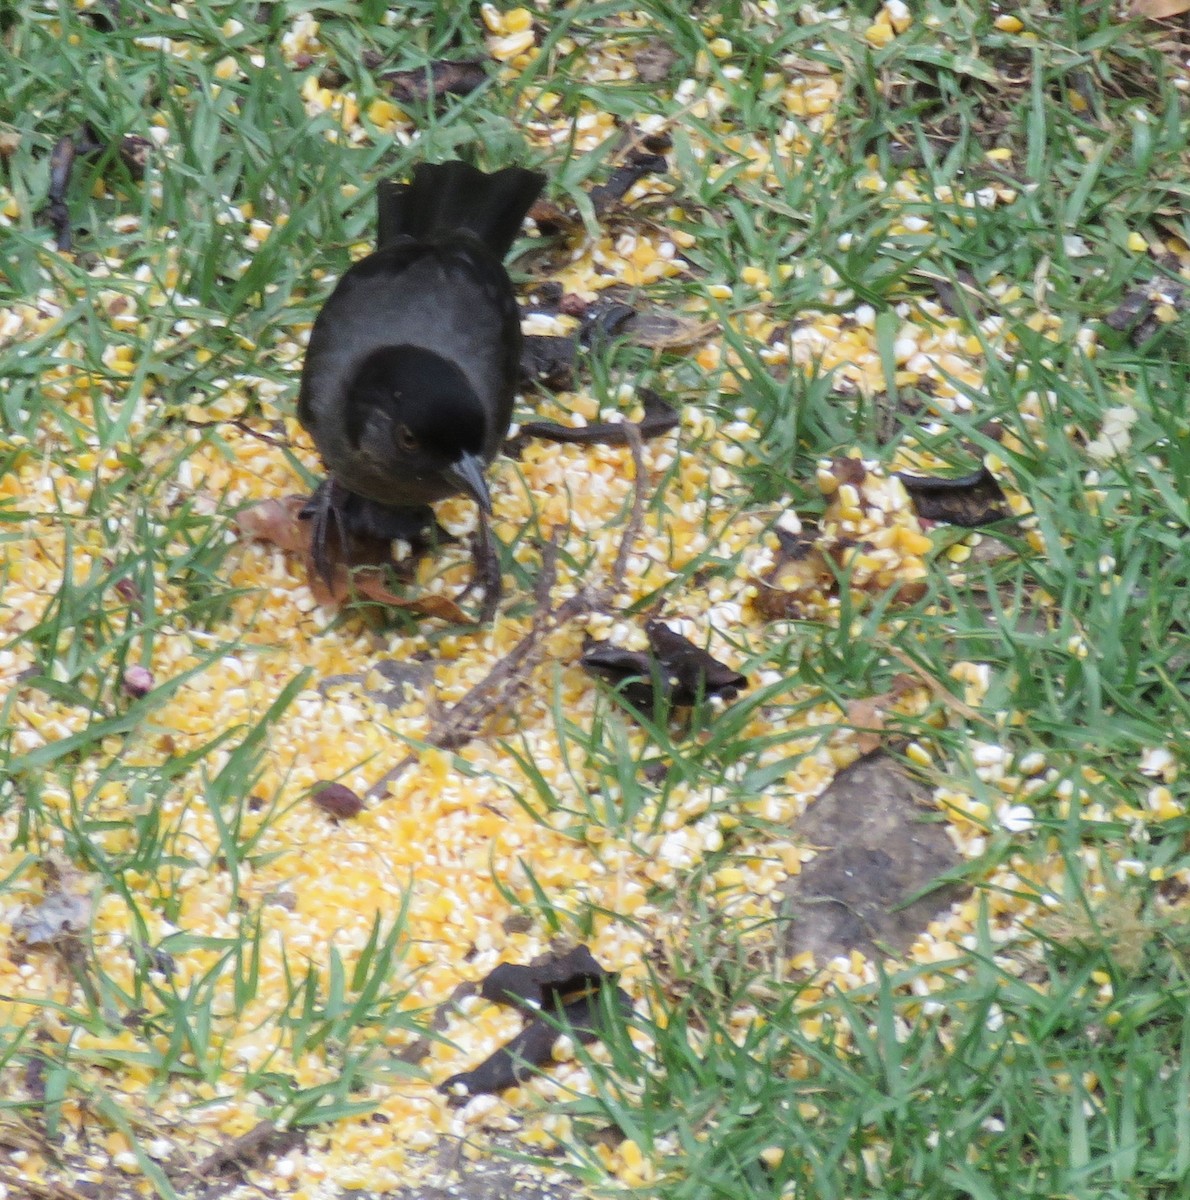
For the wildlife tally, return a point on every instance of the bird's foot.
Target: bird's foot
(352, 531)
(486, 558)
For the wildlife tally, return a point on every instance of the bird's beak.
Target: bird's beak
(467, 472)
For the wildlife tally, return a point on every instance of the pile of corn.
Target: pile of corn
(450, 840)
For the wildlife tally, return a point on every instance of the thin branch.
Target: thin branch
(637, 516)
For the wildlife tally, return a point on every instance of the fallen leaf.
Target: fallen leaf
(683, 672)
(280, 522)
(568, 987)
(134, 154)
(655, 60)
(877, 848)
(1146, 310)
(63, 913)
(276, 521)
(868, 716)
(966, 500)
(551, 218)
(61, 167)
(555, 977)
(638, 164)
(799, 582)
(1158, 10)
(436, 80)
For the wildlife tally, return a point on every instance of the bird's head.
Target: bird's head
(414, 414)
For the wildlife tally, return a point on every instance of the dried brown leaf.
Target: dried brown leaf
(64, 910)
(683, 672)
(435, 80)
(280, 522)
(1158, 10)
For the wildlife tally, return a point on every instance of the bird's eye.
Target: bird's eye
(406, 441)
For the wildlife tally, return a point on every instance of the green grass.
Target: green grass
(1051, 1064)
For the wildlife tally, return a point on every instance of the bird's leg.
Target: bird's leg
(487, 570)
(322, 508)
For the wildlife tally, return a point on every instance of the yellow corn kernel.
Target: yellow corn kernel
(912, 542)
(384, 114)
(1137, 243)
(509, 47)
(1008, 24)
(517, 20)
(915, 752)
(879, 33)
(630, 1155)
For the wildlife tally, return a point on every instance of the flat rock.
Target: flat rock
(876, 847)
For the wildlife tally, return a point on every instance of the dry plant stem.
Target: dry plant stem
(946, 698)
(464, 720)
(637, 516)
(19, 1184)
(261, 1139)
(242, 425)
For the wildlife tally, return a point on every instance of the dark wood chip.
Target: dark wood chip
(568, 986)
(606, 196)
(659, 417)
(436, 80)
(530, 986)
(548, 361)
(675, 669)
(966, 500)
(58, 214)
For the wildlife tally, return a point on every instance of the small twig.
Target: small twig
(466, 717)
(19, 1184)
(242, 425)
(61, 166)
(947, 698)
(262, 1139)
(380, 788)
(637, 516)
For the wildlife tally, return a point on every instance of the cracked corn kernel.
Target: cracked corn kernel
(510, 46)
(880, 33)
(1007, 23)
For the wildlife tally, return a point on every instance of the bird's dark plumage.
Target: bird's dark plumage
(411, 371)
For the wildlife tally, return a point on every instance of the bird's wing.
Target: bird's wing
(452, 297)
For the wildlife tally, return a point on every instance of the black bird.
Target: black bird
(409, 379)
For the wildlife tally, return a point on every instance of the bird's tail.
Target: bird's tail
(445, 197)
